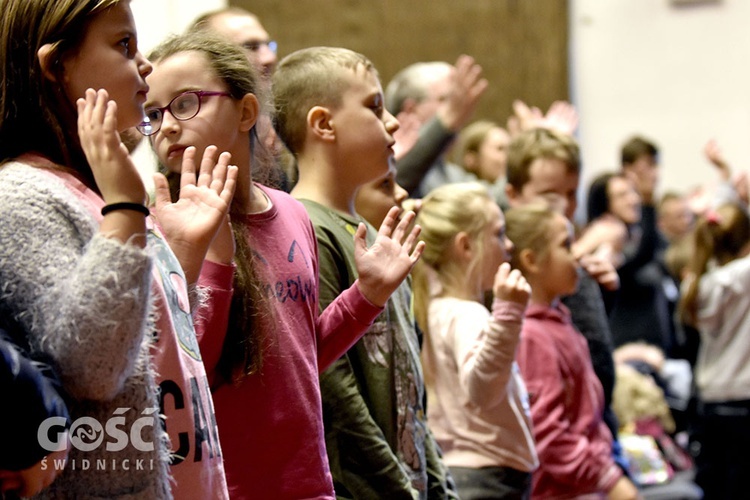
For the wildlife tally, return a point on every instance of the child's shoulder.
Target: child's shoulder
(330, 219)
(28, 190)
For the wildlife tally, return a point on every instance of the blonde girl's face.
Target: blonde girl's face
(558, 269)
(217, 122)
(497, 246)
(108, 58)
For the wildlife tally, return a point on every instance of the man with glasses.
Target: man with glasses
(244, 29)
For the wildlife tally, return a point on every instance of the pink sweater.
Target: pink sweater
(271, 423)
(480, 411)
(573, 443)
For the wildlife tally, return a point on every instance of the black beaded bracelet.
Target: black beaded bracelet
(126, 206)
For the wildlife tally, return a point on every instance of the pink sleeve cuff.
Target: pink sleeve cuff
(216, 276)
(506, 311)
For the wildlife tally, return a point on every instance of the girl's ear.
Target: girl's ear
(319, 122)
(528, 260)
(46, 61)
(462, 247)
(249, 112)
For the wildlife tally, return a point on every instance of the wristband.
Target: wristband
(126, 206)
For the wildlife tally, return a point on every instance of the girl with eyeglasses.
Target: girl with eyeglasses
(98, 288)
(263, 339)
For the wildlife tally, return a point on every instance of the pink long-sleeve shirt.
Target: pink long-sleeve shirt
(271, 422)
(567, 401)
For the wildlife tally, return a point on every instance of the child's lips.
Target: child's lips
(175, 151)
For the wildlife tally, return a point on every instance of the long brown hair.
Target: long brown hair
(720, 235)
(35, 113)
(242, 352)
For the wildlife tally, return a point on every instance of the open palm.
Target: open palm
(190, 224)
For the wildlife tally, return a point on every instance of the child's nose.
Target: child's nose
(391, 122)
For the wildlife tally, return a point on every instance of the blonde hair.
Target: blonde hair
(719, 235)
(528, 228)
(445, 212)
(306, 78)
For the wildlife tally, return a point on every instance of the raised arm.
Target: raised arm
(485, 349)
(382, 268)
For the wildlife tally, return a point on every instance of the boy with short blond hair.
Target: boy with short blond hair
(330, 114)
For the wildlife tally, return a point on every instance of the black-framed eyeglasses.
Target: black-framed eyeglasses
(255, 45)
(183, 107)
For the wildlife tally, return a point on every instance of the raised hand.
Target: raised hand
(524, 117)
(191, 223)
(384, 265)
(114, 172)
(467, 86)
(714, 155)
(561, 117)
(510, 285)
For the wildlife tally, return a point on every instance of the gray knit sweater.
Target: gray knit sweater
(84, 300)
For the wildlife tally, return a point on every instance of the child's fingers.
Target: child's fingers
(85, 108)
(403, 225)
(386, 228)
(109, 126)
(162, 197)
(230, 185)
(187, 171)
(100, 106)
(207, 165)
(411, 240)
(417, 253)
(219, 173)
(502, 272)
(360, 243)
(514, 278)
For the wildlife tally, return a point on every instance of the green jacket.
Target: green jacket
(377, 438)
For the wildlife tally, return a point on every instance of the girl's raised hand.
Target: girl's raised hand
(510, 285)
(191, 223)
(115, 174)
(384, 265)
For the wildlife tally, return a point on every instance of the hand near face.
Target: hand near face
(384, 265)
(510, 285)
(467, 86)
(191, 224)
(115, 174)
